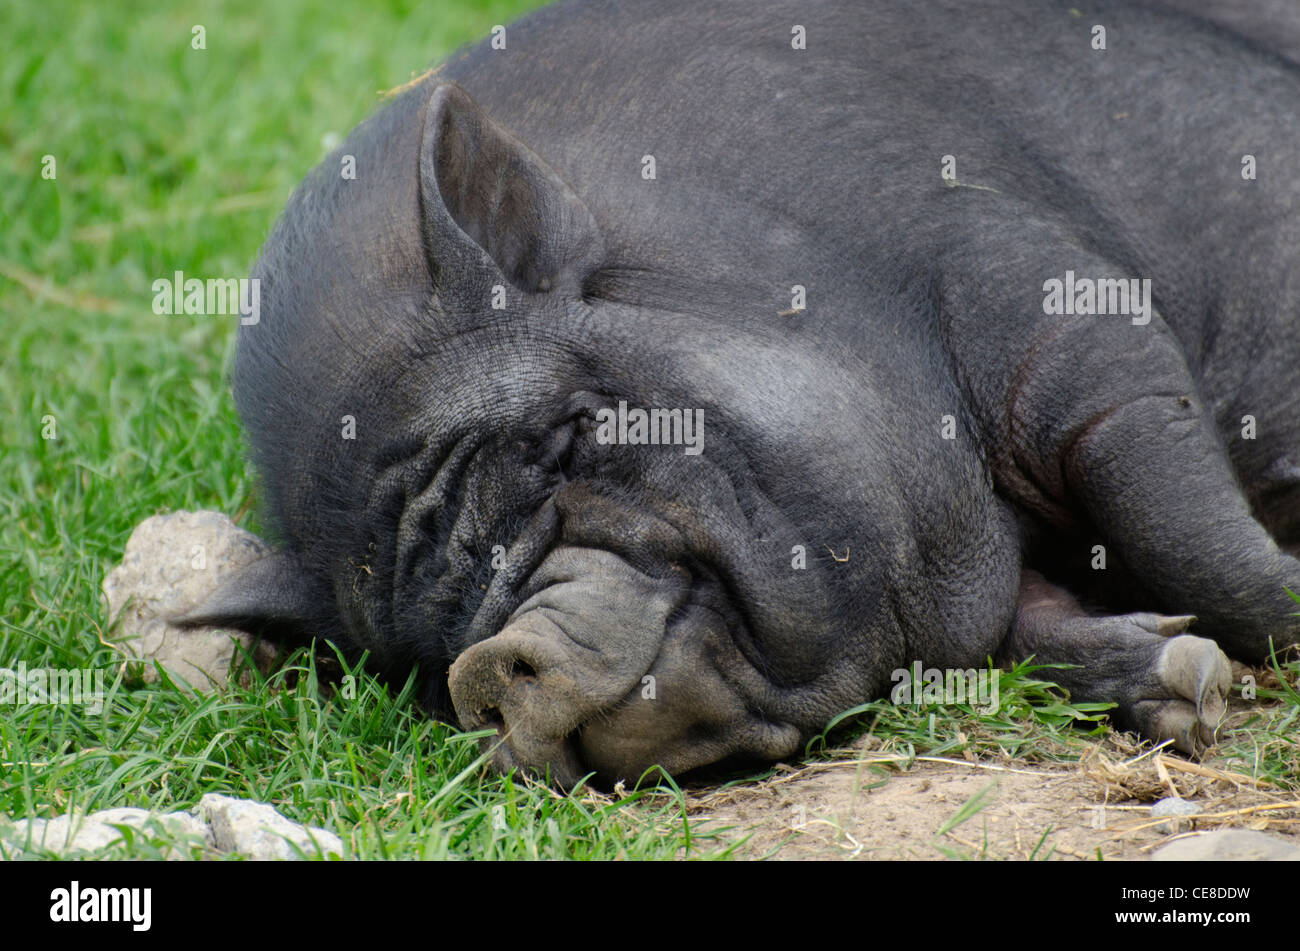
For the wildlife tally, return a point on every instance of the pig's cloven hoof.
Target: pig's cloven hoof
(1197, 676)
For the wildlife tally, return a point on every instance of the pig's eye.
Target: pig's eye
(553, 451)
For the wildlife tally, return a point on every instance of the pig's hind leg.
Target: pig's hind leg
(1107, 419)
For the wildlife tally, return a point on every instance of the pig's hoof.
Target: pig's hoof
(1196, 676)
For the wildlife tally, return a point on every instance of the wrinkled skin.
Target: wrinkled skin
(824, 428)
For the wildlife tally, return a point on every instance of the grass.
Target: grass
(1266, 742)
(169, 158)
(390, 781)
(1033, 721)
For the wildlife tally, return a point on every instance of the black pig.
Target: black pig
(961, 299)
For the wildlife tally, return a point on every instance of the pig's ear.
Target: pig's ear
(272, 595)
(478, 181)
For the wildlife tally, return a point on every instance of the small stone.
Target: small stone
(253, 830)
(70, 835)
(1175, 807)
(172, 563)
(1231, 845)
(256, 831)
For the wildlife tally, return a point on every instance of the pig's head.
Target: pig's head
(441, 339)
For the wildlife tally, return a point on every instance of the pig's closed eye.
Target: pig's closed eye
(556, 450)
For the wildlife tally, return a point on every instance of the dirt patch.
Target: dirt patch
(885, 806)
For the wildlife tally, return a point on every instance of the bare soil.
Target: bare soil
(878, 805)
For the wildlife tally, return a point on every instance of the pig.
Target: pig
(983, 316)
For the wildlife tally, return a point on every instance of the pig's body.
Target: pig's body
(936, 442)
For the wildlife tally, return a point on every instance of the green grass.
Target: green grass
(390, 781)
(170, 158)
(1033, 721)
(1266, 742)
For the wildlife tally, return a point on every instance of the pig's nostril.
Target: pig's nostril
(491, 719)
(522, 670)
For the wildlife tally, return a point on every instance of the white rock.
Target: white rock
(256, 830)
(171, 564)
(253, 830)
(1232, 845)
(1176, 808)
(71, 834)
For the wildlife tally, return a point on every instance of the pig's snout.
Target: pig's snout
(514, 684)
(572, 653)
